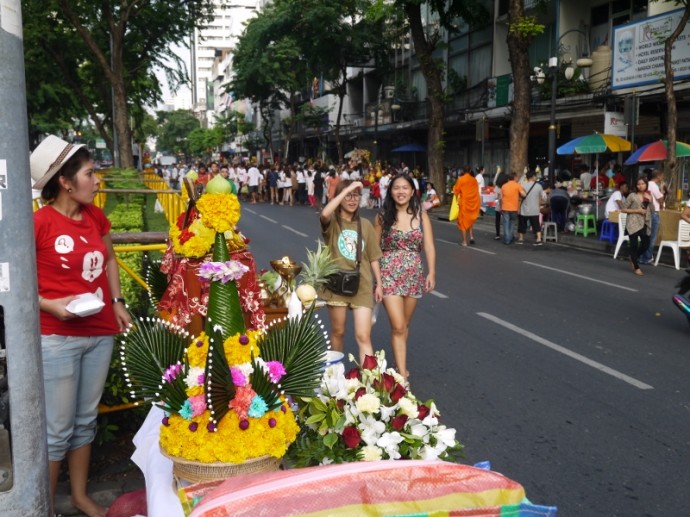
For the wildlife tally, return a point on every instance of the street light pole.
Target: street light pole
(553, 70)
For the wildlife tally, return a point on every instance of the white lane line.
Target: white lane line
(610, 284)
(268, 219)
(250, 210)
(468, 247)
(295, 231)
(439, 295)
(573, 355)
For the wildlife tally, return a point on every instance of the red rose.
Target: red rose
(354, 373)
(398, 393)
(351, 437)
(369, 362)
(423, 411)
(388, 381)
(360, 392)
(398, 422)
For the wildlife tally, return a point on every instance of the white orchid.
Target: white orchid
(389, 443)
(371, 429)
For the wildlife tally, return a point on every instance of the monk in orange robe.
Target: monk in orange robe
(466, 190)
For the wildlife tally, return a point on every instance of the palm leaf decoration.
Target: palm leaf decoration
(262, 385)
(147, 350)
(173, 392)
(224, 307)
(156, 280)
(300, 344)
(220, 389)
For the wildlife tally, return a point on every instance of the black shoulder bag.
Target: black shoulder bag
(345, 282)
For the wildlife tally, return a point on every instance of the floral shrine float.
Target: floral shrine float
(240, 398)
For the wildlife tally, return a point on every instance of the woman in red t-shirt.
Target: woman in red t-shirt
(81, 307)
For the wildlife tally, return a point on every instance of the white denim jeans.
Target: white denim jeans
(74, 372)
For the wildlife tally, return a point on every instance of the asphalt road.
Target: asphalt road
(559, 366)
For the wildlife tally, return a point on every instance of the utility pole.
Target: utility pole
(24, 488)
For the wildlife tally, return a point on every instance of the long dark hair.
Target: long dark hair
(389, 214)
(338, 189)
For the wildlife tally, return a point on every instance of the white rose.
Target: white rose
(408, 407)
(371, 453)
(368, 403)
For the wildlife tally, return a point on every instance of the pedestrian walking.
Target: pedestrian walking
(638, 206)
(403, 229)
(467, 194)
(345, 232)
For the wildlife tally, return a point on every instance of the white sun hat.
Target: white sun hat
(49, 157)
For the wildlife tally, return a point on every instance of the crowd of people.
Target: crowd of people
(313, 183)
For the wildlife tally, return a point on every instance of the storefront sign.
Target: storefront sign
(638, 51)
(614, 124)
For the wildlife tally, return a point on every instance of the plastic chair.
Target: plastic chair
(622, 237)
(683, 241)
(609, 231)
(549, 231)
(586, 224)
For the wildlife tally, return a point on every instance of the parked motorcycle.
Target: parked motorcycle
(681, 299)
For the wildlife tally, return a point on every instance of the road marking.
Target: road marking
(468, 247)
(583, 277)
(573, 355)
(436, 293)
(250, 210)
(268, 219)
(295, 231)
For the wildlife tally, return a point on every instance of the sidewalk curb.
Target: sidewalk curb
(566, 239)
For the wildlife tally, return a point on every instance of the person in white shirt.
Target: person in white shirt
(344, 174)
(253, 180)
(480, 183)
(617, 199)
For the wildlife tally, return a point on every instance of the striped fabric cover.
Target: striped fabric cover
(419, 488)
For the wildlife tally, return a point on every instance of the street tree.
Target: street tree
(268, 66)
(522, 29)
(671, 106)
(115, 45)
(175, 128)
(427, 37)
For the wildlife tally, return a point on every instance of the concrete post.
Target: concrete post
(18, 288)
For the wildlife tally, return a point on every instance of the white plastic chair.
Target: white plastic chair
(622, 237)
(683, 241)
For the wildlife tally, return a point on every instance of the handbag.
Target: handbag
(454, 209)
(345, 282)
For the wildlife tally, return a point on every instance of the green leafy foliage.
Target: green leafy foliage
(300, 345)
(149, 349)
(220, 388)
(224, 307)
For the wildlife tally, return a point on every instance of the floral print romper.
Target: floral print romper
(402, 273)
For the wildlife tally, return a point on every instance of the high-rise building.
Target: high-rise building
(219, 35)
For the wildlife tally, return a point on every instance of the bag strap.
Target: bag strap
(526, 195)
(359, 241)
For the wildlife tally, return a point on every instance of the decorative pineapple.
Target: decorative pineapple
(315, 273)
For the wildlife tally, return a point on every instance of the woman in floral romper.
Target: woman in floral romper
(404, 229)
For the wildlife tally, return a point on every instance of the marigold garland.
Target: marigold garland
(240, 348)
(193, 242)
(228, 444)
(220, 212)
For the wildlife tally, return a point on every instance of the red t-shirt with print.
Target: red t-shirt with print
(70, 258)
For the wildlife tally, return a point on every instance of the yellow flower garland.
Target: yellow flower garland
(237, 353)
(220, 212)
(229, 444)
(198, 245)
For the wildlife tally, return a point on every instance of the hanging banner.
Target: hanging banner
(614, 124)
(638, 51)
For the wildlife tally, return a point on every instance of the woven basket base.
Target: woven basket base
(197, 472)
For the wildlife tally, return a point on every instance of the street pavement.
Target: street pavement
(555, 363)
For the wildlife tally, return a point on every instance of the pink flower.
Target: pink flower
(238, 378)
(276, 370)
(242, 401)
(172, 372)
(198, 404)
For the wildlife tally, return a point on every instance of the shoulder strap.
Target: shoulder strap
(359, 241)
(530, 190)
